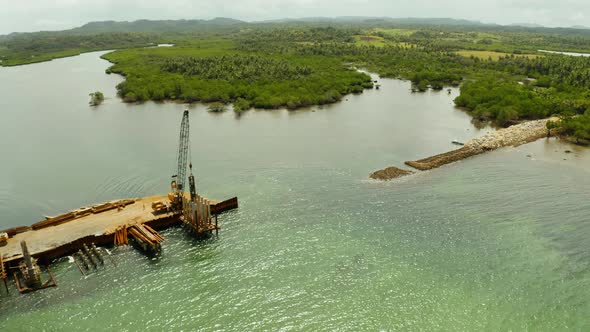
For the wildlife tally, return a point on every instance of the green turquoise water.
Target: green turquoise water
(495, 242)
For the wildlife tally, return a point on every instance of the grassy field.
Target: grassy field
(485, 55)
(396, 32)
(370, 41)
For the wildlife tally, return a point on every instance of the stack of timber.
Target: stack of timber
(111, 205)
(16, 230)
(121, 236)
(54, 221)
(82, 212)
(196, 214)
(146, 237)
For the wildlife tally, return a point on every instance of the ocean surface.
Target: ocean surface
(494, 242)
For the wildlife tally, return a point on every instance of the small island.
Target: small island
(96, 98)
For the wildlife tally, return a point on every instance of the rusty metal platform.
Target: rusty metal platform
(98, 227)
(93, 225)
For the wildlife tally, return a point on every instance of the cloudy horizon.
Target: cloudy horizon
(65, 14)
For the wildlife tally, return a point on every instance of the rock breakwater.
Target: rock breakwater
(516, 135)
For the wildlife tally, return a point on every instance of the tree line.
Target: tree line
(296, 65)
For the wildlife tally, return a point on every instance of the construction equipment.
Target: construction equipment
(191, 184)
(29, 268)
(178, 179)
(3, 239)
(28, 278)
(159, 207)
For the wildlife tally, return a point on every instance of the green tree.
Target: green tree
(578, 127)
(96, 98)
(217, 107)
(241, 105)
(550, 126)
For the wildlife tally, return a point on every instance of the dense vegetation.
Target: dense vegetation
(217, 107)
(96, 98)
(504, 78)
(578, 127)
(554, 85)
(30, 48)
(217, 73)
(236, 67)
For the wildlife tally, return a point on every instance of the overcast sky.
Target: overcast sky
(34, 15)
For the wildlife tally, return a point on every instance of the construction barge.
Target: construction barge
(106, 225)
(84, 233)
(62, 237)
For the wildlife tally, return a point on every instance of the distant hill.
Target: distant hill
(154, 26)
(526, 25)
(374, 20)
(222, 23)
(438, 21)
(159, 26)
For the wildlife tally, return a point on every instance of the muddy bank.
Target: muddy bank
(512, 136)
(390, 173)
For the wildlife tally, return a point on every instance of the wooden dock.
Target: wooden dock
(100, 224)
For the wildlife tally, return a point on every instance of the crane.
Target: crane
(178, 179)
